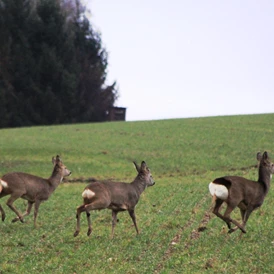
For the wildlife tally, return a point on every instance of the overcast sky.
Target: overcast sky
(178, 58)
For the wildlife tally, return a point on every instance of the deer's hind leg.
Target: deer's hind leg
(3, 214)
(89, 223)
(243, 213)
(27, 212)
(80, 209)
(216, 209)
(13, 208)
(96, 204)
(227, 217)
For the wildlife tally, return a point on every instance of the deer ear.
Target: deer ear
(136, 166)
(265, 155)
(56, 159)
(259, 156)
(53, 160)
(143, 165)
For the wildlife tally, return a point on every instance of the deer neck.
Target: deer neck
(139, 184)
(55, 179)
(265, 178)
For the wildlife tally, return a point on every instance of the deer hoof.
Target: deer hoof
(89, 232)
(231, 230)
(3, 218)
(76, 233)
(17, 219)
(235, 228)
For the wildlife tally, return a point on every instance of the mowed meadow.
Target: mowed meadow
(178, 233)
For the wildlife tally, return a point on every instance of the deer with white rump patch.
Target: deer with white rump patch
(243, 193)
(32, 188)
(116, 196)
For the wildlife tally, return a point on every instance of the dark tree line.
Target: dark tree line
(52, 65)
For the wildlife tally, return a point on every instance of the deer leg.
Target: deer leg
(36, 208)
(2, 213)
(80, 209)
(10, 205)
(95, 204)
(246, 216)
(226, 217)
(229, 220)
(243, 214)
(89, 224)
(133, 217)
(114, 222)
(236, 227)
(26, 213)
(216, 209)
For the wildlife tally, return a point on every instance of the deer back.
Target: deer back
(119, 195)
(245, 190)
(236, 189)
(26, 183)
(113, 195)
(33, 187)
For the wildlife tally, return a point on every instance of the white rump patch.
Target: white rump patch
(220, 191)
(88, 194)
(4, 183)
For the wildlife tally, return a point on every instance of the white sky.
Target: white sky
(188, 58)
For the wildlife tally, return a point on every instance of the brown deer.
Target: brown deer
(32, 188)
(116, 196)
(243, 193)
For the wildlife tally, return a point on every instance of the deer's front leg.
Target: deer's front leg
(133, 217)
(114, 222)
(36, 208)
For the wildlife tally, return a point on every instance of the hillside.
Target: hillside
(178, 232)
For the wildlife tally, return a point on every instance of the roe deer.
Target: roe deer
(116, 196)
(32, 188)
(243, 193)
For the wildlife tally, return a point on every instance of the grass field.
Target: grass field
(178, 234)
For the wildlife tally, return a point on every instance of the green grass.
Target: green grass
(184, 155)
